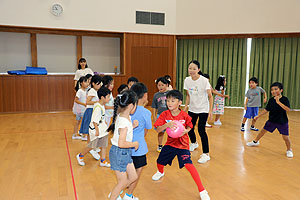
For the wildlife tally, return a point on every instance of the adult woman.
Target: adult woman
(82, 70)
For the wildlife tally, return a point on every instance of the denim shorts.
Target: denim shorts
(79, 116)
(119, 158)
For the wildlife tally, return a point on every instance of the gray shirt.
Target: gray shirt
(159, 102)
(254, 97)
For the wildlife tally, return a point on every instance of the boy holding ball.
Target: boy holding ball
(176, 146)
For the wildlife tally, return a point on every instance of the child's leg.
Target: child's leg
(260, 135)
(133, 185)
(122, 182)
(217, 117)
(85, 150)
(103, 153)
(160, 168)
(76, 126)
(287, 141)
(160, 138)
(193, 171)
(132, 175)
(244, 120)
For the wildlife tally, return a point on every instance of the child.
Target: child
(143, 116)
(168, 77)
(120, 152)
(253, 102)
(218, 109)
(277, 107)
(108, 82)
(122, 87)
(176, 146)
(79, 104)
(159, 105)
(132, 80)
(97, 129)
(92, 97)
(89, 78)
(200, 102)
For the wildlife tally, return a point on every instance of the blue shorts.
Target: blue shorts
(119, 158)
(282, 128)
(251, 112)
(168, 153)
(86, 120)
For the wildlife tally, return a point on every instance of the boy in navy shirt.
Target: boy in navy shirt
(277, 107)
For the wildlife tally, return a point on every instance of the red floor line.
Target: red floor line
(74, 187)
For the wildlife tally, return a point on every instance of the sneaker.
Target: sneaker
(97, 150)
(130, 198)
(159, 148)
(204, 195)
(203, 158)
(218, 123)
(80, 160)
(104, 164)
(254, 129)
(252, 144)
(95, 154)
(84, 137)
(194, 146)
(76, 137)
(157, 176)
(208, 125)
(242, 128)
(289, 154)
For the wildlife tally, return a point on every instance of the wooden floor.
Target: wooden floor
(34, 163)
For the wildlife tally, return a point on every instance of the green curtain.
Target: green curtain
(277, 59)
(216, 57)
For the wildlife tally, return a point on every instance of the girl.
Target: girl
(89, 78)
(97, 129)
(159, 104)
(83, 70)
(79, 104)
(168, 77)
(108, 82)
(198, 91)
(120, 152)
(92, 98)
(218, 109)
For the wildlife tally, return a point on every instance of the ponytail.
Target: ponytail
(116, 107)
(78, 84)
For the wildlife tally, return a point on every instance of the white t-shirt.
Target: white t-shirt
(78, 108)
(82, 72)
(198, 94)
(92, 92)
(110, 112)
(122, 122)
(98, 117)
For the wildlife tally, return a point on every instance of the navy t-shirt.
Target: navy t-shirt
(277, 114)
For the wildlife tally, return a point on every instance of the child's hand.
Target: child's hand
(97, 133)
(277, 99)
(255, 118)
(136, 145)
(245, 107)
(135, 123)
(172, 125)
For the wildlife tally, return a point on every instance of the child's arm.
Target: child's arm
(187, 101)
(281, 104)
(261, 114)
(216, 93)
(246, 102)
(89, 100)
(170, 124)
(109, 107)
(122, 140)
(154, 114)
(186, 130)
(79, 102)
(96, 128)
(135, 124)
(265, 97)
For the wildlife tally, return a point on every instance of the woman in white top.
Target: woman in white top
(83, 70)
(198, 92)
(121, 149)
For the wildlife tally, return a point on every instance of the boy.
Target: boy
(97, 129)
(253, 102)
(132, 80)
(277, 107)
(143, 116)
(176, 146)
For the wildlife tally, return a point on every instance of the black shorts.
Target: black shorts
(168, 153)
(139, 161)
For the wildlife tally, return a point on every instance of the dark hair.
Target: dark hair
(122, 87)
(168, 77)
(140, 89)
(175, 94)
(122, 101)
(206, 76)
(78, 84)
(80, 61)
(106, 80)
(163, 80)
(88, 76)
(198, 65)
(254, 79)
(220, 83)
(103, 92)
(277, 84)
(96, 79)
(132, 79)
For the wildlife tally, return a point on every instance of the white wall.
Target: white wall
(237, 16)
(104, 15)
